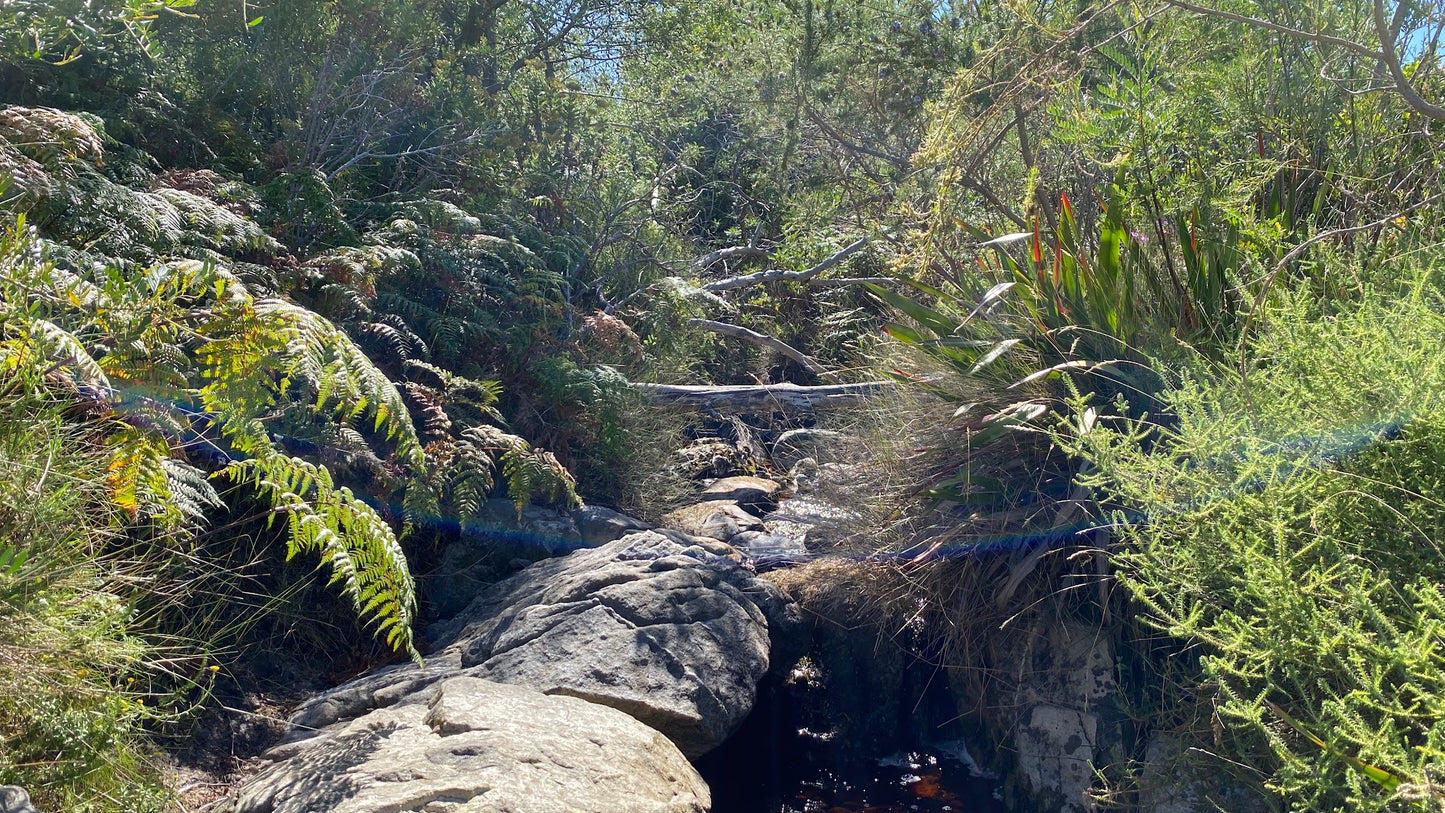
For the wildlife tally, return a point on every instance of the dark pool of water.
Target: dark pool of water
(774, 766)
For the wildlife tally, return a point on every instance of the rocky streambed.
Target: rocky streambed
(724, 661)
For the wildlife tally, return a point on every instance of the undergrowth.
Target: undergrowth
(1288, 526)
(73, 707)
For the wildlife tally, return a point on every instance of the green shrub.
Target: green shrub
(1289, 526)
(72, 712)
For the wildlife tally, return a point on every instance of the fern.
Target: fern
(365, 558)
(182, 356)
(529, 472)
(537, 473)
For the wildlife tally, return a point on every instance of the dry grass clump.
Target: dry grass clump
(848, 591)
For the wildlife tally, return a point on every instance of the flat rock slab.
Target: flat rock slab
(481, 746)
(716, 519)
(747, 492)
(672, 632)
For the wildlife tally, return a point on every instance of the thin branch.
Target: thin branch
(898, 161)
(778, 274)
(779, 397)
(1315, 36)
(409, 151)
(759, 339)
(988, 195)
(1388, 32)
(1299, 249)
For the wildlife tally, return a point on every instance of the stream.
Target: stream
(779, 763)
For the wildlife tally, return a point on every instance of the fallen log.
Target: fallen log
(770, 397)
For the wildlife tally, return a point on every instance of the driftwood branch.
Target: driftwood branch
(777, 274)
(721, 254)
(769, 397)
(759, 339)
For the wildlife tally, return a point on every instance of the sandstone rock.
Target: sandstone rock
(1054, 704)
(675, 634)
(711, 457)
(719, 519)
(1054, 752)
(599, 525)
(481, 746)
(747, 492)
(14, 799)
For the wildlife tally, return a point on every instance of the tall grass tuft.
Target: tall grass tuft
(72, 710)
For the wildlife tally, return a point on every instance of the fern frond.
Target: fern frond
(365, 558)
(538, 473)
(529, 472)
(61, 347)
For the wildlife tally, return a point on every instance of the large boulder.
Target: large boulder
(673, 631)
(481, 746)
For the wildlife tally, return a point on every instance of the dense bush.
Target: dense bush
(1289, 526)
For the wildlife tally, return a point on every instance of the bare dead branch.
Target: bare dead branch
(770, 397)
(759, 339)
(778, 274)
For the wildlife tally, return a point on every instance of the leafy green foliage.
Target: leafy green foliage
(1292, 529)
(73, 710)
(185, 358)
